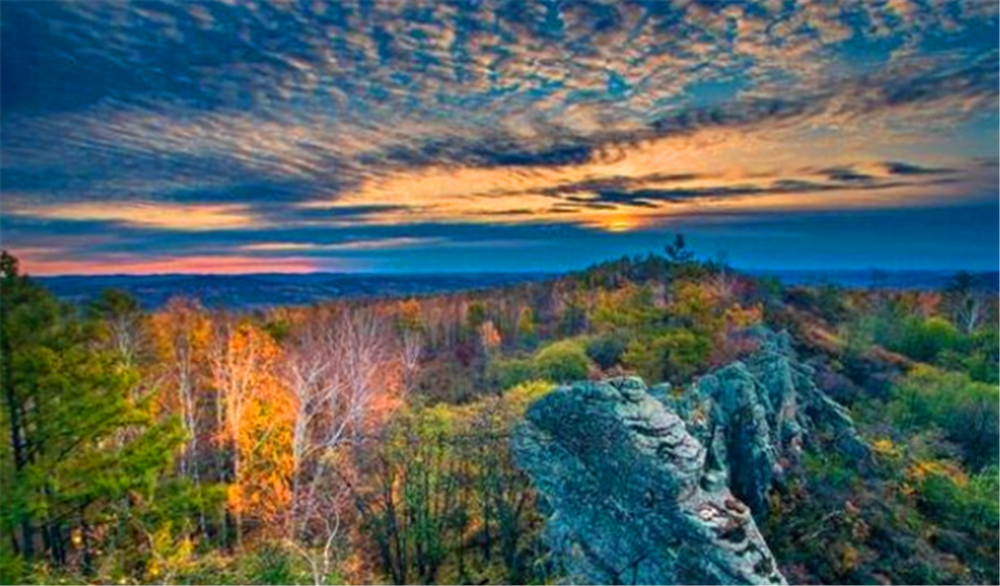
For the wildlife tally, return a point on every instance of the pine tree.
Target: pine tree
(75, 444)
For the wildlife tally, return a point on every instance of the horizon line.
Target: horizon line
(752, 270)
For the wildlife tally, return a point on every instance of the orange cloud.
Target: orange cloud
(169, 216)
(769, 170)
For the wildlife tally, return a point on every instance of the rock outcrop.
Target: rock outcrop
(661, 486)
(626, 482)
(756, 416)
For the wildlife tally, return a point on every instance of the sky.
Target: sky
(429, 136)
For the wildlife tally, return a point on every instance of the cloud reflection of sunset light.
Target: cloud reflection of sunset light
(710, 170)
(46, 263)
(169, 216)
(193, 265)
(416, 135)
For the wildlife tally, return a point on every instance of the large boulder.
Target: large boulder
(633, 499)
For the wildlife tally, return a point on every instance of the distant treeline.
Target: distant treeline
(277, 290)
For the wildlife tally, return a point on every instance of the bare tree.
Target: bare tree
(342, 372)
(411, 349)
(178, 326)
(181, 331)
(124, 319)
(321, 553)
(963, 302)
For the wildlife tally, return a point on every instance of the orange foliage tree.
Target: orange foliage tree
(256, 422)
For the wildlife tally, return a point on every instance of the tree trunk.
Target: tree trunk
(27, 545)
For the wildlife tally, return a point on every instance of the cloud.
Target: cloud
(900, 168)
(183, 218)
(841, 180)
(617, 182)
(353, 245)
(219, 123)
(846, 175)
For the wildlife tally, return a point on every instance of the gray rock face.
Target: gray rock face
(648, 485)
(632, 501)
(755, 417)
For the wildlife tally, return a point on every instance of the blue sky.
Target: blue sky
(509, 135)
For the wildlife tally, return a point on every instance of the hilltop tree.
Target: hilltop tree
(678, 252)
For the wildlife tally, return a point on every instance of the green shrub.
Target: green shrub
(967, 412)
(563, 361)
(960, 503)
(272, 564)
(511, 372)
(830, 302)
(676, 355)
(606, 350)
(926, 339)
(983, 358)
(13, 569)
(831, 470)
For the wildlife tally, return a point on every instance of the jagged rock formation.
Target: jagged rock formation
(756, 416)
(648, 485)
(625, 480)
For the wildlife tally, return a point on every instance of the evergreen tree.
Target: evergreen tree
(76, 448)
(678, 252)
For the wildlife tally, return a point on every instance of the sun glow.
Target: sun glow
(620, 224)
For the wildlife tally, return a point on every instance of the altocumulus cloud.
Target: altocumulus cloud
(388, 135)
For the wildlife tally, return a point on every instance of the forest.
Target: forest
(369, 441)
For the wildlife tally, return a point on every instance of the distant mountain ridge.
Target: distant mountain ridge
(275, 289)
